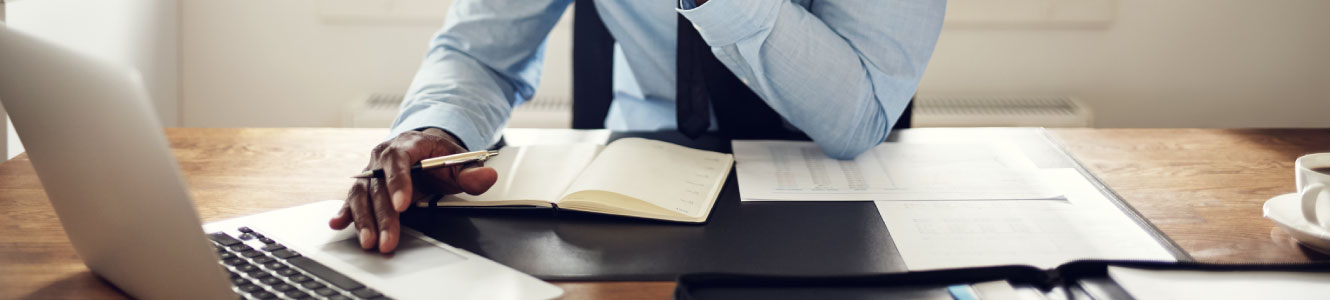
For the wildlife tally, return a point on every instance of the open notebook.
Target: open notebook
(631, 177)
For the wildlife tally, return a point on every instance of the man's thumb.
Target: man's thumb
(476, 181)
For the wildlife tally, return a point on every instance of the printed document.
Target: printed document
(799, 171)
(1040, 233)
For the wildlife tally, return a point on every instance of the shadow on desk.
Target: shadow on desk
(76, 286)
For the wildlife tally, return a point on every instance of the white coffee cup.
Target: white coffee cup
(1314, 188)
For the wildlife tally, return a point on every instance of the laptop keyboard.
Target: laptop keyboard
(261, 268)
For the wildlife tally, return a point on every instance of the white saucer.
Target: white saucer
(1286, 210)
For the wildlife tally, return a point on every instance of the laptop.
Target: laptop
(110, 175)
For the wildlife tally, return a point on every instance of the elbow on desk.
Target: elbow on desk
(848, 146)
(848, 138)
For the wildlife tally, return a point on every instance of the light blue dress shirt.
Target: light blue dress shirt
(842, 71)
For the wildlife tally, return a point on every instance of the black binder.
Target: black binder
(773, 238)
(1075, 280)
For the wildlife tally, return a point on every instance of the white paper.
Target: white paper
(534, 172)
(547, 136)
(799, 171)
(997, 290)
(1174, 284)
(1041, 233)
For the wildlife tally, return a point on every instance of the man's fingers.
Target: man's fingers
(397, 170)
(343, 217)
(476, 181)
(363, 216)
(384, 215)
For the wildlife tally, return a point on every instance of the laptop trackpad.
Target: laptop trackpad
(413, 254)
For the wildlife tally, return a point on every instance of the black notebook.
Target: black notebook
(1099, 280)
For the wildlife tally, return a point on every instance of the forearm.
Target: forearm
(457, 95)
(484, 61)
(839, 73)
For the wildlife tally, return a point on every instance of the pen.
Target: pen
(438, 162)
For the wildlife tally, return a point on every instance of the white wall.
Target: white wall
(282, 63)
(1177, 63)
(141, 34)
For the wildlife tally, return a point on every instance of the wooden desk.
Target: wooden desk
(1202, 187)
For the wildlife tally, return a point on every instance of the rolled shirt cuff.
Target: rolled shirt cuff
(724, 22)
(452, 119)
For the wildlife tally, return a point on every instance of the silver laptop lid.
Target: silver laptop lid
(108, 171)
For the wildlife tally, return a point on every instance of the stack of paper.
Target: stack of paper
(1003, 209)
(1041, 233)
(799, 171)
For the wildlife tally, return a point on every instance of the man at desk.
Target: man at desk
(839, 71)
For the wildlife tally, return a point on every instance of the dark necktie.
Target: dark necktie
(705, 84)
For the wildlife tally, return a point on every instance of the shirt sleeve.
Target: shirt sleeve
(842, 71)
(484, 61)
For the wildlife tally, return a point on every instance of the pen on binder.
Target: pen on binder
(439, 162)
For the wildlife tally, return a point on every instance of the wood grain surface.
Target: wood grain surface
(1202, 187)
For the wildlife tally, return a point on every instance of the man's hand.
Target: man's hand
(374, 204)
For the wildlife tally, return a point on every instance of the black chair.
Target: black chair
(593, 68)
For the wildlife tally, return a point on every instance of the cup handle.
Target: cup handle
(1309, 197)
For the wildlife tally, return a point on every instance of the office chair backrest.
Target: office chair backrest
(593, 67)
(593, 70)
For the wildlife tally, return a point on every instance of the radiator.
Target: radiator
(1051, 111)
(378, 110)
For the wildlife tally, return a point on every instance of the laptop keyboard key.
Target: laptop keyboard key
(282, 287)
(233, 261)
(223, 238)
(250, 253)
(246, 268)
(366, 293)
(245, 229)
(296, 294)
(288, 272)
(325, 292)
(266, 240)
(275, 265)
(264, 259)
(239, 281)
(258, 274)
(273, 247)
(250, 288)
(313, 285)
(325, 273)
(264, 295)
(285, 254)
(247, 236)
(271, 280)
(300, 278)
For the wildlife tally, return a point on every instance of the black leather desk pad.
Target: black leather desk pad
(791, 238)
(769, 238)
